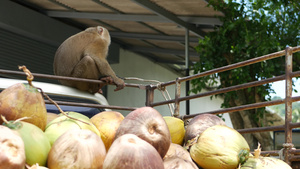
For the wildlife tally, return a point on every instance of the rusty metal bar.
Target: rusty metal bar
(269, 153)
(264, 129)
(276, 152)
(238, 108)
(294, 158)
(177, 96)
(288, 103)
(228, 89)
(295, 151)
(149, 96)
(91, 105)
(11, 72)
(233, 66)
(242, 107)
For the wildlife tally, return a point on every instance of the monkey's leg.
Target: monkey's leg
(86, 68)
(105, 70)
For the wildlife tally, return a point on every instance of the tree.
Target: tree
(250, 29)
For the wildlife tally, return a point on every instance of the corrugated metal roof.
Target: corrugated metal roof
(154, 28)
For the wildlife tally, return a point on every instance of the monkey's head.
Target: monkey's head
(101, 32)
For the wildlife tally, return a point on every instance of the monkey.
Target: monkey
(84, 55)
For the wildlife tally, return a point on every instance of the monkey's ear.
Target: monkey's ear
(100, 30)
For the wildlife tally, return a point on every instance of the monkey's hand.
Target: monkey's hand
(119, 83)
(109, 80)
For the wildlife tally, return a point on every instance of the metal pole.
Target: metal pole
(177, 96)
(149, 95)
(288, 104)
(187, 67)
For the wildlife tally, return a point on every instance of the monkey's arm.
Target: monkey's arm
(105, 70)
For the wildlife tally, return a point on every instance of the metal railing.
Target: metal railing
(290, 154)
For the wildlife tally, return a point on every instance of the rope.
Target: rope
(285, 146)
(163, 90)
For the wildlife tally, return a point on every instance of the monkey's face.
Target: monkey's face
(103, 32)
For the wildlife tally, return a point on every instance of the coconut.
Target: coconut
(37, 145)
(179, 163)
(61, 124)
(200, 123)
(77, 149)
(178, 157)
(23, 100)
(75, 115)
(107, 123)
(265, 163)
(220, 147)
(51, 116)
(12, 151)
(148, 124)
(260, 162)
(131, 152)
(36, 166)
(176, 128)
(176, 150)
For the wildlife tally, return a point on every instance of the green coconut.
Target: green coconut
(23, 100)
(218, 147)
(60, 125)
(37, 145)
(260, 162)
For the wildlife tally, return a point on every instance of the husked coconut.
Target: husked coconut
(200, 123)
(220, 147)
(77, 149)
(178, 158)
(176, 150)
(149, 125)
(12, 151)
(260, 162)
(131, 152)
(179, 163)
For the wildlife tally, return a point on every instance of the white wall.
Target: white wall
(133, 65)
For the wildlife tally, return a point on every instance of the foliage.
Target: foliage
(250, 29)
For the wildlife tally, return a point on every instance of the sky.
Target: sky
(279, 88)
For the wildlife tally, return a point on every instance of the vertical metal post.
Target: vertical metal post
(177, 96)
(288, 103)
(149, 95)
(187, 67)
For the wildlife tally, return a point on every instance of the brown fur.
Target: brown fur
(83, 55)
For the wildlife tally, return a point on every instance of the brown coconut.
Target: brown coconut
(77, 149)
(200, 123)
(148, 124)
(131, 152)
(176, 150)
(179, 163)
(178, 158)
